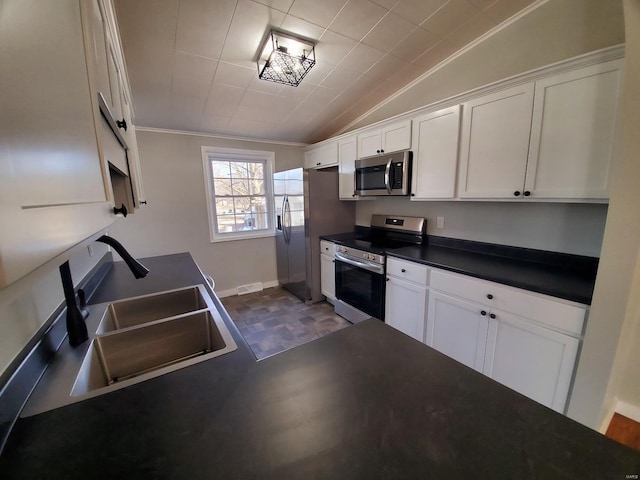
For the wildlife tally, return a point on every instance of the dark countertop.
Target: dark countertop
(364, 402)
(566, 276)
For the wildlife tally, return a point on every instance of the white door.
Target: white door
(328, 276)
(495, 144)
(406, 307)
(458, 329)
(346, 168)
(396, 137)
(533, 360)
(572, 133)
(435, 154)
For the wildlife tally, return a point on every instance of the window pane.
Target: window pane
(239, 170)
(261, 221)
(297, 218)
(240, 187)
(278, 204)
(226, 223)
(256, 186)
(224, 206)
(220, 169)
(259, 204)
(256, 170)
(279, 187)
(242, 204)
(294, 187)
(222, 187)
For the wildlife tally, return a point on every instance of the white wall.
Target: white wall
(567, 228)
(175, 218)
(609, 363)
(26, 304)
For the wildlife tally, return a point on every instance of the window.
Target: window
(239, 193)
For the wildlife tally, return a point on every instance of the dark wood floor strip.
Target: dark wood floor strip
(624, 430)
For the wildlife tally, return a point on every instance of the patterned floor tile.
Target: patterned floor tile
(274, 320)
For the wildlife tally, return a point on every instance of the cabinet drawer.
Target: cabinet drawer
(327, 248)
(545, 310)
(411, 271)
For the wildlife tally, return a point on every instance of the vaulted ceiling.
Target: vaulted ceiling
(191, 63)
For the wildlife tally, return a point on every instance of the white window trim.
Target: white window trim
(212, 153)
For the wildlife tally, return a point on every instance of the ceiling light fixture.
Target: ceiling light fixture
(285, 58)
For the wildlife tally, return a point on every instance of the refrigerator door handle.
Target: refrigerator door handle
(286, 214)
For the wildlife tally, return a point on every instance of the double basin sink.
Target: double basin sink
(131, 341)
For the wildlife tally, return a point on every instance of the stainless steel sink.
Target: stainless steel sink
(136, 311)
(131, 341)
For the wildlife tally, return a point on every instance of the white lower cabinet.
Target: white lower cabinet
(531, 349)
(327, 270)
(458, 329)
(535, 361)
(406, 297)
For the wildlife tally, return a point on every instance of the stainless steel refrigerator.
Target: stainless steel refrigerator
(307, 206)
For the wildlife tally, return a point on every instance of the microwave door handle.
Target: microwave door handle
(387, 172)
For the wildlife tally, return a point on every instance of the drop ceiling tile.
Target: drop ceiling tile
(265, 85)
(362, 58)
(388, 4)
(275, 114)
(417, 43)
(340, 78)
(254, 129)
(504, 9)
(192, 74)
(333, 47)
(481, 4)
(254, 99)
(317, 73)
(314, 11)
(298, 26)
(387, 65)
(236, 75)
(203, 25)
(250, 23)
(470, 31)
(449, 17)
(223, 99)
(282, 5)
(357, 18)
(298, 93)
(142, 22)
(391, 30)
(435, 55)
(417, 11)
(158, 66)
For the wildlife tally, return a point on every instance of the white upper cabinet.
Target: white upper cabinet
(435, 154)
(572, 133)
(347, 154)
(495, 143)
(52, 189)
(325, 155)
(389, 138)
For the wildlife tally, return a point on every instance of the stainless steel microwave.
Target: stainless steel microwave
(386, 174)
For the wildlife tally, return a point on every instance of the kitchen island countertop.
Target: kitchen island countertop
(364, 402)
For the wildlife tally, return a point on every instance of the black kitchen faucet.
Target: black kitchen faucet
(76, 328)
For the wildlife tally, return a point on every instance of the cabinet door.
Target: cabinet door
(328, 276)
(435, 154)
(52, 190)
(495, 144)
(530, 359)
(396, 137)
(406, 307)
(457, 329)
(369, 143)
(346, 168)
(572, 133)
(321, 156)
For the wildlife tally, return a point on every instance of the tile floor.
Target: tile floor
(275, 320)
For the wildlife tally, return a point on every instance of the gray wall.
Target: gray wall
(568, 228)
(175, 219)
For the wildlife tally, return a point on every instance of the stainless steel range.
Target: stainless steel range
(360, 265)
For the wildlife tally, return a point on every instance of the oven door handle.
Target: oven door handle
(371, 267)
(387, 172)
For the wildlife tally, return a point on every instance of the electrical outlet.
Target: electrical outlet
(440, 222)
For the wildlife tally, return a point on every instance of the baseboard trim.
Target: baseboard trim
(234, 291)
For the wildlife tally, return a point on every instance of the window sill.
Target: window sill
(232, 237)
